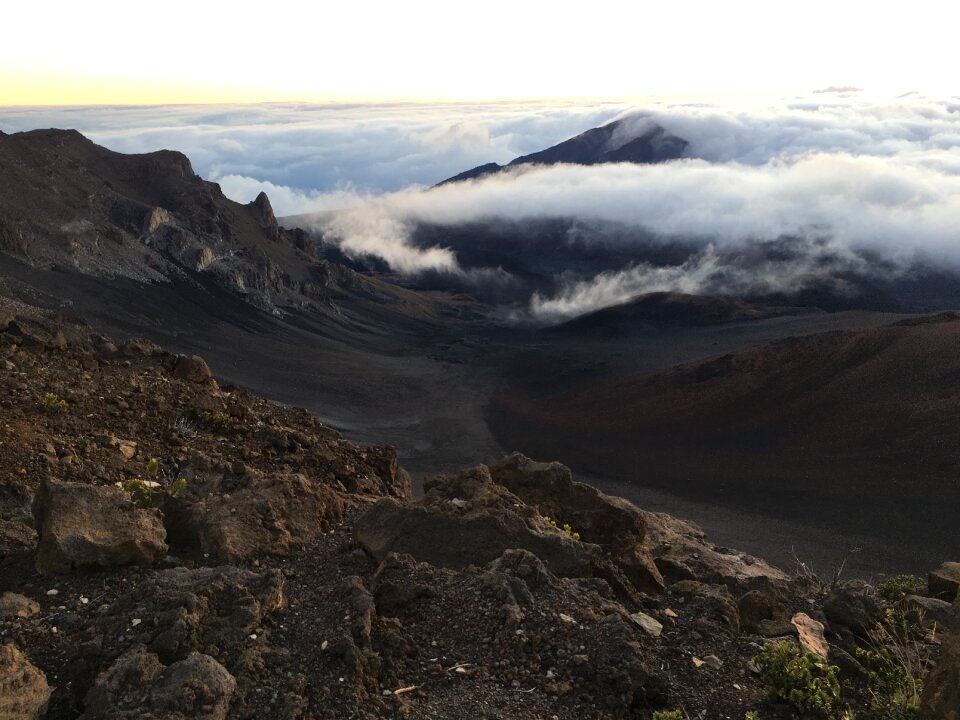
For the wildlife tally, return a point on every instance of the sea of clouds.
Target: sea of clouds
(864, 177)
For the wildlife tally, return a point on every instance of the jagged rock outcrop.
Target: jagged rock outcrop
(615, 524)
(257, 516)
(24, 691)
(84, 526)
(681, 552)
(489, 524)
(137, 686)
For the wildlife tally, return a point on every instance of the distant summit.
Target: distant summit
(630, 140)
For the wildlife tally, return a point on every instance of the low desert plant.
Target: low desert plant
(894, 590)
(803, 680)
(668, 715)
(216, 421)
(52, 403)
(896, 661)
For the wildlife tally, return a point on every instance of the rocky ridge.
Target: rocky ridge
(174, 548)
(68, 203)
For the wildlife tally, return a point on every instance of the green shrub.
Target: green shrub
(52, 403)
(894, 590)
(802, 680)
(896, 658)
(216, 421)
(668, 715)
(751, 715)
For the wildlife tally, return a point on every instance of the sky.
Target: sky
(112, 52)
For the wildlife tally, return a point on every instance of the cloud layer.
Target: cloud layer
(847, 176)
(300, 152)
(872, 179)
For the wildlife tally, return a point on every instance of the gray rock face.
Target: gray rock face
(138, 686)
(93, 526)
(944, 582)
(24, 691)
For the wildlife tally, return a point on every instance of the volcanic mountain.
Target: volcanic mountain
(629, 140)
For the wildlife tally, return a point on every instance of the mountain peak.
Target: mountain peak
(633, 139)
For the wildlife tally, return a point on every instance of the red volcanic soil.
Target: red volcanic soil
(859, 431)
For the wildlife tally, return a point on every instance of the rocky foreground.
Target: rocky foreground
(173, 548)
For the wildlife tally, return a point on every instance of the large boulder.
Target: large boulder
(24, 692)
(944, 582)
(83, 526)
(251, 516)
(611, 522)
(138, 686)
(192, 369)
(852, 605)
(941, 688)
(450, 540)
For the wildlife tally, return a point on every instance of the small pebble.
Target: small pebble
(53, 592)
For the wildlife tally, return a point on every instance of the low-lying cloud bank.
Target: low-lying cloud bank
(867, 178)
(872, 180)
(300, 152)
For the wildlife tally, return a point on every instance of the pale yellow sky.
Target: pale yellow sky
(110, 52)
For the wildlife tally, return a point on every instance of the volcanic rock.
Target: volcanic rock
(138, 686)
(681, 552)
(941, 688)
(455, 541)
(250, 516)
(13, 605)
(810, 632)
(24, 691)
(853, 606)
(192, 369)
(944, 582)
(611, 522)
(87, 526)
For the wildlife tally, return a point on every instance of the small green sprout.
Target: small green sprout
(141, 494)
(177, 486)
(565, 527)
(153, 467)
